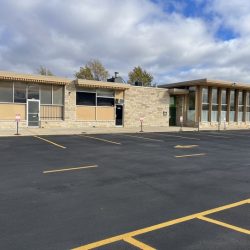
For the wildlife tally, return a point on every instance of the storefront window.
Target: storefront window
(191, 104)
(20, 92)
(214, 111)
(205, 105)
(104, 101)
(92, 97)
(240, 106)
(33, 91)
(223, 105)
(105, 97)
(232, 106)
(58, 95)
(46, 94)
(105, 92)
(248, 107)
(85, 98)
(6, 92)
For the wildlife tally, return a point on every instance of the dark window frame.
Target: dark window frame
(84, 101)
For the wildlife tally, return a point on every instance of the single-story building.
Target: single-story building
(50, 101)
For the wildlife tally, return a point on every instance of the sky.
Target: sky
(173, 40)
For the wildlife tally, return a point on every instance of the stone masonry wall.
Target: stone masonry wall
(150, 103)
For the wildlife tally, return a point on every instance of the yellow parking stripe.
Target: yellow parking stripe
(178, 136)
(186, 146)
(218, 209)
(217, 136)
(68, 169)
(100, 139)
(142, 137)
(220, 223)
(233, 134)
(191, 155)
(138, 244)
(51, 142)
(159, 226)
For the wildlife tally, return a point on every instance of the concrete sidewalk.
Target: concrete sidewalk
(94, 130)
(70, 131)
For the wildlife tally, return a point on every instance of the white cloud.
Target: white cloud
(64, 35)
(234, 14)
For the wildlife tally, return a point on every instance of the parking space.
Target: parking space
(126, 191)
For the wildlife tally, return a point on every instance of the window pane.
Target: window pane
(83, 98)
(20, 92)
(231, 116)
(172, 101)
(223, 116)
(103, 101)
(240, 116)
(214, 96)
(191, 105)
(240, 98)
(214, 113)
(191, 100)
(191, 115)
(214, 107)
(205, 107)
(224, 107)
(204, 114)
(6, 92)
(223, 96)
(46, 94)
(58, 95)
(33, 92)
(248, 114)
(205, 95)
(105, 92)
(232, 100)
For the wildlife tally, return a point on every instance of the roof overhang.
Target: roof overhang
(12, 76)
(175, 91)
(206, 83)
(99, 84)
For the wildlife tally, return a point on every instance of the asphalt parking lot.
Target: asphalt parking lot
(187, 190)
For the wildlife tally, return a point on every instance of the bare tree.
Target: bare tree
(44, 71)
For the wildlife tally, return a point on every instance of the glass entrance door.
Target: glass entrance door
(33, 109)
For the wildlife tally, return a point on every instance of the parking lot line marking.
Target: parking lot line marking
(225, 207)
(68, 169)
(179, 136)
(235, 134)
(220, 223)
(186, 146)
(218, 136)
(51, 142)
(138, 244)
(142, 137)
(159, 226)
(100, 139)
(191, 155)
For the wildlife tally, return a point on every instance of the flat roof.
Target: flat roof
(13, 76)
(207, 82)
(99, 84)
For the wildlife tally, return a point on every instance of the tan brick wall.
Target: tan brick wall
(70, 102)
(146, 102)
